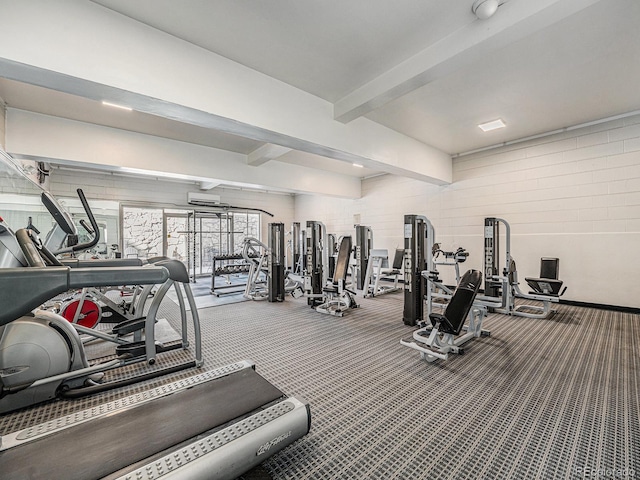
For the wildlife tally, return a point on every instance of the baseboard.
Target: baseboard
(598, 306)
(601, 306)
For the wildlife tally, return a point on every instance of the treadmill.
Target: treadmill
(214, 425)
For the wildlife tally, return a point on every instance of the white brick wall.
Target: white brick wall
(574, 195)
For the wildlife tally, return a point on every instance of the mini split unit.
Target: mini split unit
(202, 199)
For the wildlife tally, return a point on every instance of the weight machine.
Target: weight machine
(276, 271)
(364, 244)
(442, 337)
(316, 271)
(379, 259)
(436, 288)
(255, 253)
(337, 298)
(419, 236)
(266, 278)
(546, 289)
(297, 243)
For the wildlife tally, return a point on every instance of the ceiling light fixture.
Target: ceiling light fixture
(358, 165)
(493, 125)
(109, 104)
(484, 9)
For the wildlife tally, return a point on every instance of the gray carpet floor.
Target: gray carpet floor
(229, 289)
(556, 398)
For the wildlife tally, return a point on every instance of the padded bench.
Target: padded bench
(453, 318)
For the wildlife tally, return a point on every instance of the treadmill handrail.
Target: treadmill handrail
(23, 289)
(116, 276)
(102, 262)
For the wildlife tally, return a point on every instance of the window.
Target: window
(142, 232)
(191, 237)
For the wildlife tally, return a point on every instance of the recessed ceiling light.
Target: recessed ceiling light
(109, 104)
(493, 125)
(358, 165)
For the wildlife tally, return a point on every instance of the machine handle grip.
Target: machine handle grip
(29, 248)
(92, 220)
(87, 227)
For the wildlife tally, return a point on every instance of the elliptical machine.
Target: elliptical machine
(85, 310)
(41, 354)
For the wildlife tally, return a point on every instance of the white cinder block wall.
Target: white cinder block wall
(574, 195)
(104, 186)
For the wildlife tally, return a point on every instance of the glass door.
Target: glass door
(178, 237)
(211, 241)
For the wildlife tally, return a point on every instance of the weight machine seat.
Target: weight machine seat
(546, 286)
(458, 308)
(548, 283)
(549, 267)
(342, 265)
(390, 272)
(396, 267)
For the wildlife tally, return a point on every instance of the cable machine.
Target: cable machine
(297, 248)
(276, 254)
(332, 253)
(364, 244)
(492, 286)
(316, 262)
(418, 242)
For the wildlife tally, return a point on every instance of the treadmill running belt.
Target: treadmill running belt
(94, 449)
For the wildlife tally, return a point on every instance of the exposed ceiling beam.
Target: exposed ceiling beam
(513, 21)
(33, 135)
(105, 55)
(266, 152)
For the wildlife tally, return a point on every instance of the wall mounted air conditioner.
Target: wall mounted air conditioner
(203, 199)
